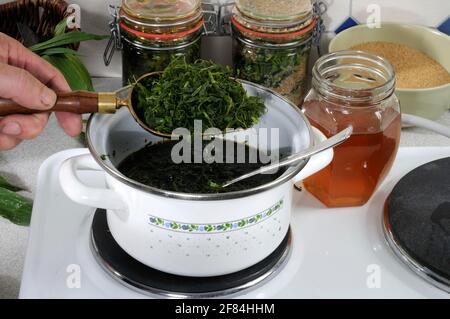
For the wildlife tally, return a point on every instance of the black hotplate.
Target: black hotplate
(417, 221)
(147, 280)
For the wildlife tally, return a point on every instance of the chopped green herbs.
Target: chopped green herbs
(200, 91)
(82, 138)
(283, 69)
(137, 62)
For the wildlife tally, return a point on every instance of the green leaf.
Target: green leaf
(193, 228)
(73, 70)
(226, 227)
(82, 138)
(15, 207)
(5, 184)
(83, 73)
(54, 51)
(66, 39)
(242, 223)
(61, 27)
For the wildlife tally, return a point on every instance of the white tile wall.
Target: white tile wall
(429, 12)
(338, 12)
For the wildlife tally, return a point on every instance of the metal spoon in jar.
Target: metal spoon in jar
(295, 158)
(82, 102)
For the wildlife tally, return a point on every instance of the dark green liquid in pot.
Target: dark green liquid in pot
(153, 166)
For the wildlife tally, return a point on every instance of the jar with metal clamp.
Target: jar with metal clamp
(151, 33)
(272, 42)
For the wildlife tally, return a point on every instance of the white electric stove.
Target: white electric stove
(332, 253)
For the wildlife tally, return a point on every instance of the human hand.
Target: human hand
(29, 81)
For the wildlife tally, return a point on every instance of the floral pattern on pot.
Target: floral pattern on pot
(216, 228)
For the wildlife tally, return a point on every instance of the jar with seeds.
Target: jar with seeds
(272, 42)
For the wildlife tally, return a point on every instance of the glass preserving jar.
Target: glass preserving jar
(354, 88)
(151, 33)
(272, 42)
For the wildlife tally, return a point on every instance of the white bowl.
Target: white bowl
(430, 103)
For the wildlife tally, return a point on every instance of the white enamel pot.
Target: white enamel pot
(196, 235)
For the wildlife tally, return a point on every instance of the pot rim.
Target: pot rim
(287, 176)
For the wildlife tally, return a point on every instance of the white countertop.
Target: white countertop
(21, 166)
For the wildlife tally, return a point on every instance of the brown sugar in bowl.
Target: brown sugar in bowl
(414, 70)
(423, 86)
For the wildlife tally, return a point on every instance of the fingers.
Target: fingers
(23, 127)
(21, 87)
(8, 142)
(16, 128)
(26, 79)
(15, 54)
(27, 127)
(70, 122)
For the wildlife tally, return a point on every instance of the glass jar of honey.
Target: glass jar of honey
(151, 33)
(272, 43)
(354, 88)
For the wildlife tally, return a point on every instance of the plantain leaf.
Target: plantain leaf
(15, 207)
(65, 39)
(61, 27)
(73, 70)
(5, 184)
(54, 51)
(82, 72)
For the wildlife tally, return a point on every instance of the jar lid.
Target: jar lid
(276, 10)
(161, 11)
(285, 36)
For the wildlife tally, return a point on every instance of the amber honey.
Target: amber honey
(359, 165)
(354, 88)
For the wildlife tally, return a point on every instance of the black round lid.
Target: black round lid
(136, 275)
(417, 221)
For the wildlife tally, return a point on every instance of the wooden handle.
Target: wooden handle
(79, 102)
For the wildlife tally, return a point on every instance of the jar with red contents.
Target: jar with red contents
(152, 33)
(272, 44)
